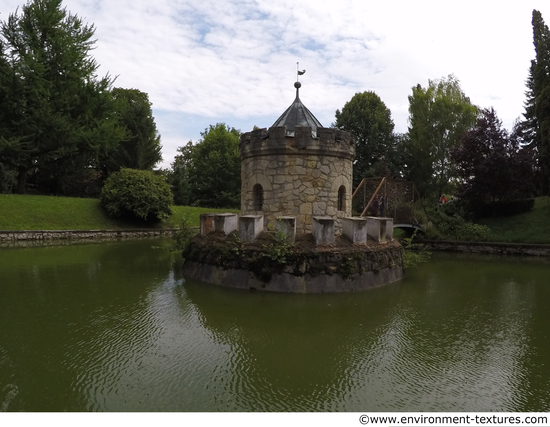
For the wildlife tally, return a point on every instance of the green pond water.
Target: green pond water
(115, 327)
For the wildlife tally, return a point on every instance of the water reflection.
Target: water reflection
(66, 312)
(114, 327)
(451, 342)
(294, 351)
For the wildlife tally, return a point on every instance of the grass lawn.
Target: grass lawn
(65, 213)
(193, 214)
(28, 212)
(528, 227)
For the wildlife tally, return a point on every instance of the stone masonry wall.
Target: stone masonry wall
(300, 176)
(490, 248)
(9, 237)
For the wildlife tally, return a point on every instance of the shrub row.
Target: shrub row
(455, 228)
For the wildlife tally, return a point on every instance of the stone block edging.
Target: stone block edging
(494, 248)
(18, 235)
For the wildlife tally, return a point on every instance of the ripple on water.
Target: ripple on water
(144, 359)
(8, 394)
(432, 367)
(433, 345)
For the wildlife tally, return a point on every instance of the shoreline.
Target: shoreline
(14, 237)
(489, 248)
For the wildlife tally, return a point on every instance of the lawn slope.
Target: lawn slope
(528, 227)
(26, 212)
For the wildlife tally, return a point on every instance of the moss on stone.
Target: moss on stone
(343, 259)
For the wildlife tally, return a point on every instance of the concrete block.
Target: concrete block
(287, 224)
(355, 229)
(250, 227)
(323, 230)
(374, 229)
(207, 223)
(226, 223)
(389, 229)
(380, 229)
(383, 224)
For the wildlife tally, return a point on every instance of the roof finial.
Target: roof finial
(298, 72)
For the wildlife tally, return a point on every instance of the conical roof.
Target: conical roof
(298, 115)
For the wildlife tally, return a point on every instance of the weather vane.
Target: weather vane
(298, 72)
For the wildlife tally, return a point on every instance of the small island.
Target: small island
(296, 232)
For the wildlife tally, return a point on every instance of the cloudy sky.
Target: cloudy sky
(204, 62)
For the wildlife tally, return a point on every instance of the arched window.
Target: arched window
(258, 197)
(342, 198)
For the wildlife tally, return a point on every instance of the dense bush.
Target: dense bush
(136, 193)
(458, 207)
(455, 228)
(414, 253)
(182, 237)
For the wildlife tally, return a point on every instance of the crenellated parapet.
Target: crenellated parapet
(302, 141)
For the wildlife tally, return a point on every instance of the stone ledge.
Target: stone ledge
(494, 248)
(23, 235)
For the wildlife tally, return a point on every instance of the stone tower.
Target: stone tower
(297, 168)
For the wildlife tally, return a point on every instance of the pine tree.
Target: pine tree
(141, 148)
(538, 103)
(529, 125)
(57, 115)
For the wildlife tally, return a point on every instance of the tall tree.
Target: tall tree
(58, 108)
(438, 115)
(538, 98)
(215, 169)
(492, 165)
(529, 124)
(178, 176)
(369, 120)
(7, 166)
(140, 148)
